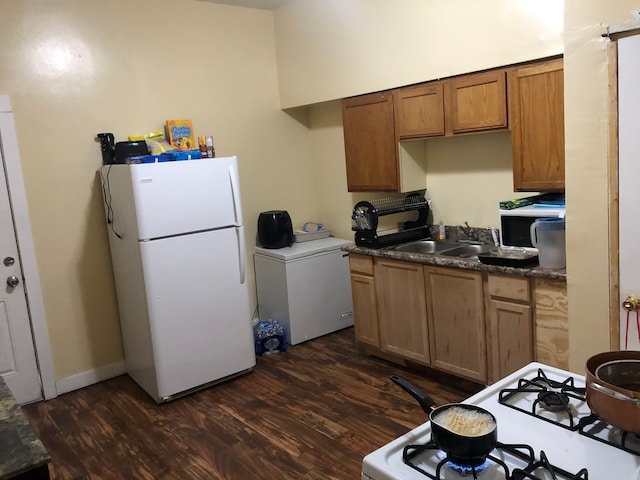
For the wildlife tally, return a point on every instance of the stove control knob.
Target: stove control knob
(631, 303)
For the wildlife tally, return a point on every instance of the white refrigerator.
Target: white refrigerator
(178, 252)
(306, 287)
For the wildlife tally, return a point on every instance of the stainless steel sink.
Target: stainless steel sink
(425, 246)
(467, 251)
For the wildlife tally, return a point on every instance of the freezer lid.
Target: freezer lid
(173, 198)
(303, 249)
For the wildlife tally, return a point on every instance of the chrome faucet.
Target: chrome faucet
(468, 232)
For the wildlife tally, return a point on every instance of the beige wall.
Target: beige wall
(587, 151)
(74, 68)
(331, 49)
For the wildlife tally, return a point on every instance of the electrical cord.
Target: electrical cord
(106, 195)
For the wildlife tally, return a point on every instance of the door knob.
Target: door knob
(13, 281)
(631, 303)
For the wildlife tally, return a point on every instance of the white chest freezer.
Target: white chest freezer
(306, 287)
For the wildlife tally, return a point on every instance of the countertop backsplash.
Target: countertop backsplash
(459, 232)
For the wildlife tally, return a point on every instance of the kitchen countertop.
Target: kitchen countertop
(431, 259)
(21, 452)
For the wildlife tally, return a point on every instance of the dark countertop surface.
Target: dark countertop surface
(430, 259)
(20, 449)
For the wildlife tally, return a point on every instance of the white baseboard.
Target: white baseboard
(84, 379)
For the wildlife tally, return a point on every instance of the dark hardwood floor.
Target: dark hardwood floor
(312, 412)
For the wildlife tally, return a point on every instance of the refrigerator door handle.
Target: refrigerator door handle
(242, 254)
(235, 191)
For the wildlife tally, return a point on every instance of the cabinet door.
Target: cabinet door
(402, 311)
(419, 111)
(477, 102)
(369, 140)
(552, 322)
(364, 309)
(536, 103)
(456, 321)
(510, 337)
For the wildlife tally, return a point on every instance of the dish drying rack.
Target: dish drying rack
(366, 215)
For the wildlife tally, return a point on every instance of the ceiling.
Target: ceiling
(262, 4)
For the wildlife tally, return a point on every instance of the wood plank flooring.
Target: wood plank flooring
(312, 412)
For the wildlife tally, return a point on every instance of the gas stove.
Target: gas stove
(545, 431)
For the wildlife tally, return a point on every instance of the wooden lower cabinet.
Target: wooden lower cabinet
(509, 325)
(363, 292)
(402, 312)
(455, 306)
(552, 322)
(478, 326)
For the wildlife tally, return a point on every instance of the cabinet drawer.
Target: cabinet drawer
(361, 264)
(515, 288)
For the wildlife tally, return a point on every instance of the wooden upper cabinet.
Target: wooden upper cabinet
(477, 102)
(419, 111)
(536, 109)
(370, 145)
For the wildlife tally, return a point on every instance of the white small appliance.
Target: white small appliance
(545, 430)
(515, 224)
(178, 252)
(306, 287)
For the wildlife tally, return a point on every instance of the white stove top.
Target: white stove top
(564, 448)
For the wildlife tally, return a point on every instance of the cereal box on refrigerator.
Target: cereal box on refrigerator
(180, 133)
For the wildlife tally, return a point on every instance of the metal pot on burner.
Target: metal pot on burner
(466, 433)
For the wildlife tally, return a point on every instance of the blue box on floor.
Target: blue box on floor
(269, 337)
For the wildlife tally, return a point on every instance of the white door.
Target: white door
(629, 183)
(18, 364)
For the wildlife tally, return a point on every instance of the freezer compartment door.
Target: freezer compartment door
(172, 198)
(199, 311)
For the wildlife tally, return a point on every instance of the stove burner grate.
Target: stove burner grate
(544, 465)
(551, 395)
(554, 396)
(595, 428)
(411, 451)
(532, 467)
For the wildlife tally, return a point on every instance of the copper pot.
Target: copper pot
(613, 388)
